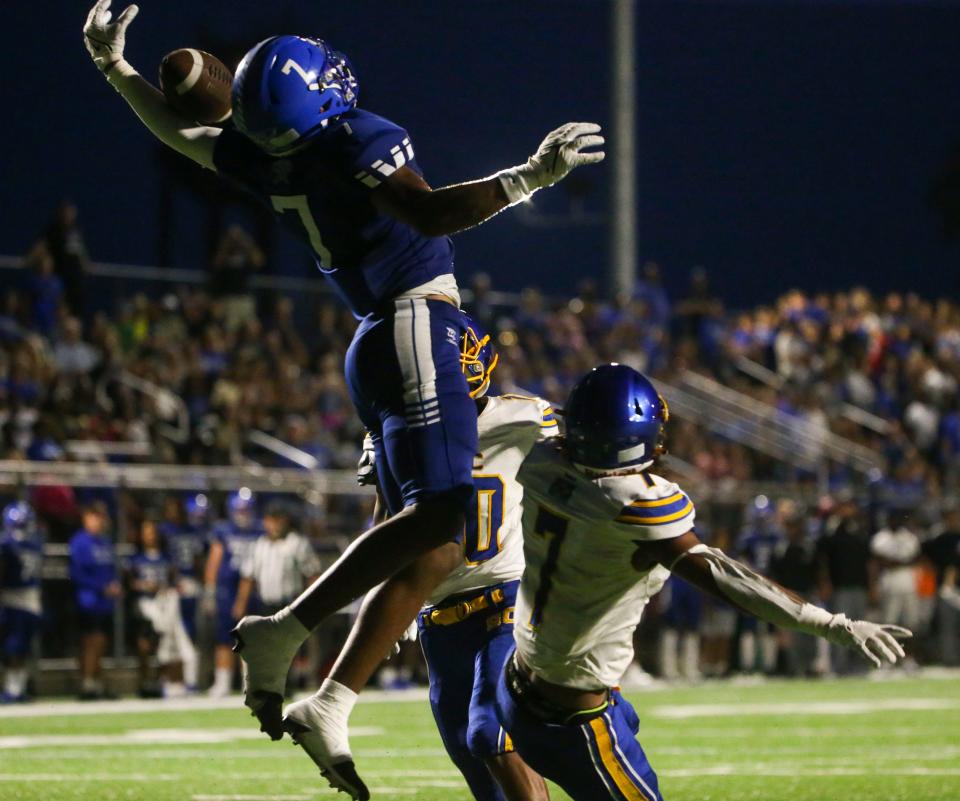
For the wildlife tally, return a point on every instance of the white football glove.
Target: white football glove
(105, 39)
(876, 641)
(367, 467)
(410, 635)
(558, 154)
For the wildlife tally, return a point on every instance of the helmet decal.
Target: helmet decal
(286, 90)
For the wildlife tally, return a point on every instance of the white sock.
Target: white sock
(190, 669)
(690, 646)
(770, 649)
(16, 681)
(89, 685)
(334, 702)
(748, 652)
(223, 678)
(668, 654)
(174, 689)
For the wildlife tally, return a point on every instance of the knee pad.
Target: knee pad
(486, 737)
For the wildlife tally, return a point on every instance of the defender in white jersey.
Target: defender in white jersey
(601, 535)
(466, 625)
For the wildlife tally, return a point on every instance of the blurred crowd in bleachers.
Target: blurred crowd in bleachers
(186, 371)
(240, 361)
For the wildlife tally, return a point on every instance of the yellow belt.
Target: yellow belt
(448, 615)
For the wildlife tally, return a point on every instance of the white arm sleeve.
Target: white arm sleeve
(764, 599)
(760, 597)
(194, 141)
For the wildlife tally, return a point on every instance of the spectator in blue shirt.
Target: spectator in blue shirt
(93, 571)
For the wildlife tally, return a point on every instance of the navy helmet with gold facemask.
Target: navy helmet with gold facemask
(478, 357)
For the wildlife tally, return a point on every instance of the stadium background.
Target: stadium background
(780, 144)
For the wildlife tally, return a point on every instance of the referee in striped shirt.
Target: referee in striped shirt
(278, 566)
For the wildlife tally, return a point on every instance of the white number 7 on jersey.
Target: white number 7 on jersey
(309, 78)
(298, 203)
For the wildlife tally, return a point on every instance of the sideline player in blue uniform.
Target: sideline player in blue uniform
(149, 571)
(185, 531)
(93, 571)
(756, 547)
(231, 541)
(347, 183)
(21, 555)
(601, 534)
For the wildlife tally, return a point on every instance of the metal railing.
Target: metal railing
(144, 274)
(763, 427)
(188, 478)
(771, 379)
(283, 449)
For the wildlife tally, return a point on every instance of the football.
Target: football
(197, 85)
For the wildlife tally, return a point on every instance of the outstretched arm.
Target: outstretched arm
(105, 40)
(437, 212)
(712, 571)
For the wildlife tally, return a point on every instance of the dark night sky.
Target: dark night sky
(781, 143)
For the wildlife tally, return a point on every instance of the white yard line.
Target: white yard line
(415, 694)
(793, 770)
(152, 737)
(91, 777)
(189, 704)
(863, 707)
(250, 797)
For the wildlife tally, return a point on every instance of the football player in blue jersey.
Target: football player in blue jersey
(347, 183)
(466, 625)
(184, 530)
(149, 571)
(755, 547)
(21, 555)
(93, 572)
(231, 541)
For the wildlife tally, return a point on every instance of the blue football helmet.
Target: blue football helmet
(478, 358)
(18, 518)
(615, 418)
(198, 509)
(286, 89)
(241, 507)
(760, 510)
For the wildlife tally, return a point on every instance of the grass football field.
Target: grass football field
(893, 740)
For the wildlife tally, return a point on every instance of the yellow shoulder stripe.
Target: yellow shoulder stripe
(653, 521)
(659, 502)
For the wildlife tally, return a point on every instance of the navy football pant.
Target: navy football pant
(18, 627)
(403, 374)
(225, 622)
(465, 661)
(188, 613)
(592, 760)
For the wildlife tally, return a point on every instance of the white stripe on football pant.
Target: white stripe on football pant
(623, 757)
(412, 341)
(585, 728)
